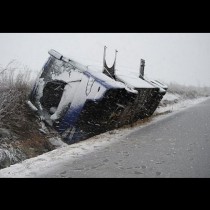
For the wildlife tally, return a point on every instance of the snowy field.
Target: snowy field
(36, 167)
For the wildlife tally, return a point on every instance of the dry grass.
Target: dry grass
(15, 115)
(15, 85)
(188, 92)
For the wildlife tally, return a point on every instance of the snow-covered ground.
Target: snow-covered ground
(175, 102)
(36, 167)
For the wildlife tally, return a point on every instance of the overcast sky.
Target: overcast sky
(170, 57)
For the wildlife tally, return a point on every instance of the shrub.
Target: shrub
(15, 85)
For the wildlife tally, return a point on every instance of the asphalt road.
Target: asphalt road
(176, 146)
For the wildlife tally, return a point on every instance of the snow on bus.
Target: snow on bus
(80, 102)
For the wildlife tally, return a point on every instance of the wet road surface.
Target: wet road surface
(176, 146)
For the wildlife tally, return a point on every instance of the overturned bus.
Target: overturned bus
(80, 102)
